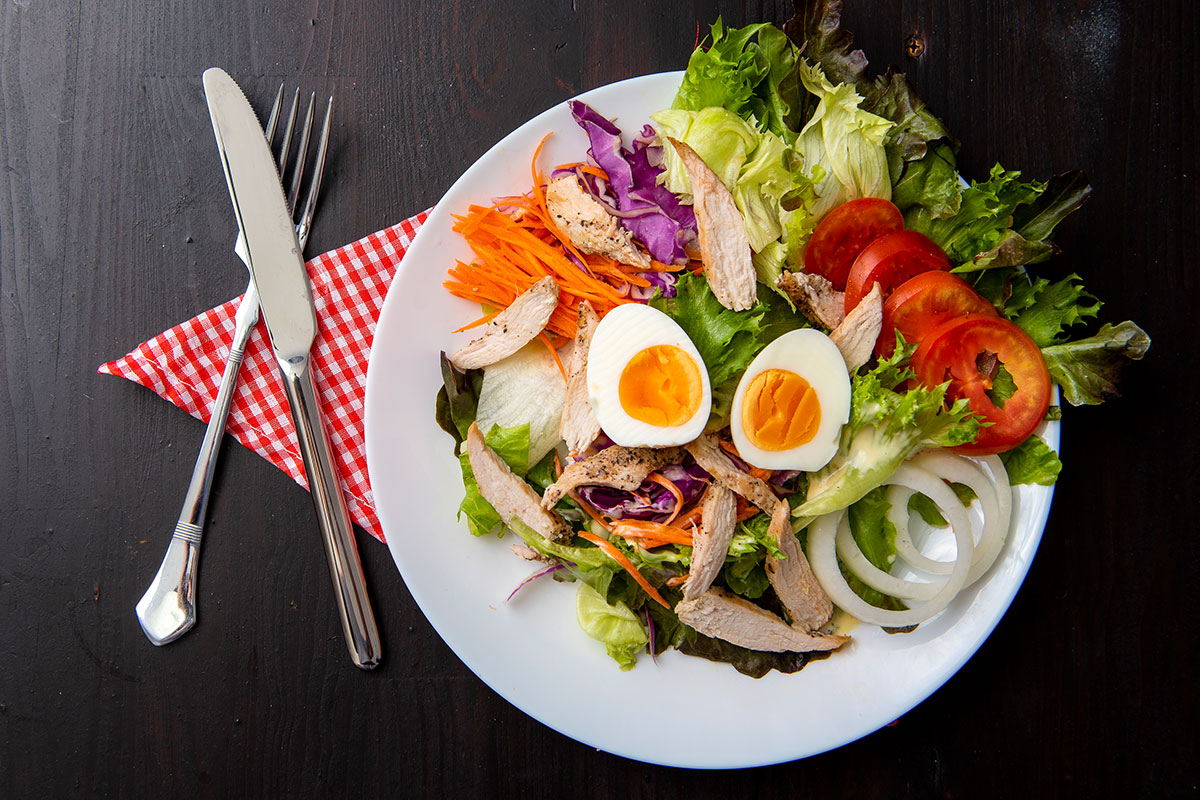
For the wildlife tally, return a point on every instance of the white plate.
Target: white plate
(531, 651)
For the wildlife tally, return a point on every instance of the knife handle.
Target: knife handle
(354, 606)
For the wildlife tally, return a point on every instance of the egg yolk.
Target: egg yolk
(780, 410)
(661, 386)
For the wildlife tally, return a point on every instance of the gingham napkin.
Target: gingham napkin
(184, 364)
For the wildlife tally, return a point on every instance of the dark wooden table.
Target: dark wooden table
(114, 225)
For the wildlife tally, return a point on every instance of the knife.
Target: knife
(274, 256)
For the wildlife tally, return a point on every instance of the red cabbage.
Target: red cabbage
(663, 224)
(650, 501)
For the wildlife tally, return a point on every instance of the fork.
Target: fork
(168, 608)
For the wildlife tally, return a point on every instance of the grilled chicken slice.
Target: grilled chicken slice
(712, 459)
(856, 336)
(588, 225)
(579, 426)
(511, 496)
(814, 297)
(718, 517)
(512, 328)
(616, 466)
(792, 577)
(723, 615)
(724, 246)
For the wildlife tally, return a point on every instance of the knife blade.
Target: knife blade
(273, 255)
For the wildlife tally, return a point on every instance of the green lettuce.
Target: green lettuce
(1032, 461)
(1088, 369)
(845, 141)
(748, 71)
(1045, 310)
(614, 625)
(875, 536)
(887, 425)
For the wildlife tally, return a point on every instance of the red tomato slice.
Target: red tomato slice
(891, 260)
(968, 351)
(843, 234)
(924, 302)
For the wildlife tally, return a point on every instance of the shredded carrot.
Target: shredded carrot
(644, 529)
(745, 509)
(486, 318)
(690, 517)
(554, 353)
(673, 489)
(616, 555)
(678, 580)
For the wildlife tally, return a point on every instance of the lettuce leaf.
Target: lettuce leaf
(876, 538)
(845, 141)
(1045, 310)
(1088, 370)
(614, 625)
(454, 408)
(1032, 461)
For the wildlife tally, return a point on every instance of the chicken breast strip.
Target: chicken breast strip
(856, 336)
(712, 459)
(814, 297)
(723, 615)
(792, 578)
(512, 328)
(710, 542)
(724, 246)
(579, 426)
(619, 467)
(589, 225)
(508, 493)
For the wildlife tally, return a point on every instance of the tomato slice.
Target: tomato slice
(969, 352)
(924, 302)
(889, 261)
(844, 232)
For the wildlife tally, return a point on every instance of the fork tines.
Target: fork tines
(304, 222)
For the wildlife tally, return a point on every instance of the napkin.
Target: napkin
(184, 364)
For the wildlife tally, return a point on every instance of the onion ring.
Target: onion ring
(822, 545)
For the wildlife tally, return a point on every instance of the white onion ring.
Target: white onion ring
(995, 502)
(822, 554)
(897, 498)
(852, 556)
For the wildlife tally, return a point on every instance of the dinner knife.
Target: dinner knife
(274, 256)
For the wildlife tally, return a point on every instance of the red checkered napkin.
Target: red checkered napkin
(184, 364)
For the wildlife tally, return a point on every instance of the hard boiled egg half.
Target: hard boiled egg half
(792, 402)
(646, 381)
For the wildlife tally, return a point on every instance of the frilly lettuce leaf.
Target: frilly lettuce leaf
(1045, 310)
(1088, 370)
(1032, 461)
(845, 141)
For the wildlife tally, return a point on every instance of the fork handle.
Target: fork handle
(345, 567)
(168, 608)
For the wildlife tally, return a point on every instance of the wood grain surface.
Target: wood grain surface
(114, 225)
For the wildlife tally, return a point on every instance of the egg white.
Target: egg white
(813, 356)
(623, 333)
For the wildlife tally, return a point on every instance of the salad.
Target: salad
(766, 357)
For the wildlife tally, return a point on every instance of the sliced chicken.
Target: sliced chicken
(579, 426)
(710, 542)
(723, 615)
(508, 493)
(724, 246)
(712, 459)
(814, 297)
(588, 224)
(512, 328)
(856, 336)
(792, 577)
(619, 467)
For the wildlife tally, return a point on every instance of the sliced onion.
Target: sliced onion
(822, 546)
(897, 498)
(995, 498)
(852, 556)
